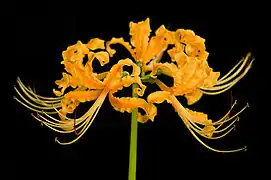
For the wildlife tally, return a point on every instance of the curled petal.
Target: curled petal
(66, 81)
(129, 103)
(95, 44)
(102, 57)
(159, 97)
(119, 41)
(87, 78)
(116, 72)
(75, 52)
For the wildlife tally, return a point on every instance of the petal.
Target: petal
(83, 96)
(188, 75)
(185, 36)
(116, 72)
(95, 44)
(194, 96)
(119, 41)
(155, 47)
(129, 103)
(140, 33)
(75, 52)
(197, 49)
(168, 35)
(178, 55)
(211, 80)
(198, 117)
(208, 130)
(168, 69)
(159, 97)
(102, 57)
(66, 81)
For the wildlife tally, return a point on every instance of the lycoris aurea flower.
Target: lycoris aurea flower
(188, 67)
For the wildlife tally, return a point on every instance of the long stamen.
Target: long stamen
(52, 127)
(30, 103)
(73, 119)
(228, 119)
(56, 124)
(227, 127)
(44, 101)
(93, 111)
(32, 92)
(244, 60)
(198, 129)
(229, 85)
(226, 75)
(35, 110)
(87, 123)
(222, 81)
(79, 122)
(213, 137)
(216, 150)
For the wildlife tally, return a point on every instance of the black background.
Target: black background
(165, 146)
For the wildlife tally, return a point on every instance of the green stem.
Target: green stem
(133, 141)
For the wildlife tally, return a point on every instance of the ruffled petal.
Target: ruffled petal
(66, 81)
(116, 72)
(75, 52)
(140, 33)
(194, 96)
(116, 82)
(211, 80)
(119, 41)
(130, 103)
(168, 35)
(83, 96)
(95, 44)
(189, 73)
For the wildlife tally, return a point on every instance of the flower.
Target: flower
(188, 67)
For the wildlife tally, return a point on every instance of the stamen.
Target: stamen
(31, 91)
(51, 126)
(87, 123)
(81, 122)
(226, 86)
(221, 81)
(225, 76)
(221, 130)
(92, 112)
(208, 137)
(33, 105)
(212, 149)
(40, 111)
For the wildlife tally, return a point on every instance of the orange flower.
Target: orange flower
(188, 67)
(88, 86)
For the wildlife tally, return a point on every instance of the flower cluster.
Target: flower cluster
(188, 67)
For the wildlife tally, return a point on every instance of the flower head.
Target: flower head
(188, 67)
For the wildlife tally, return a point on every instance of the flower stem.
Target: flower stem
(133, 140)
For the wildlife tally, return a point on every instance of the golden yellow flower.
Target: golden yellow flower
(188, 67)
